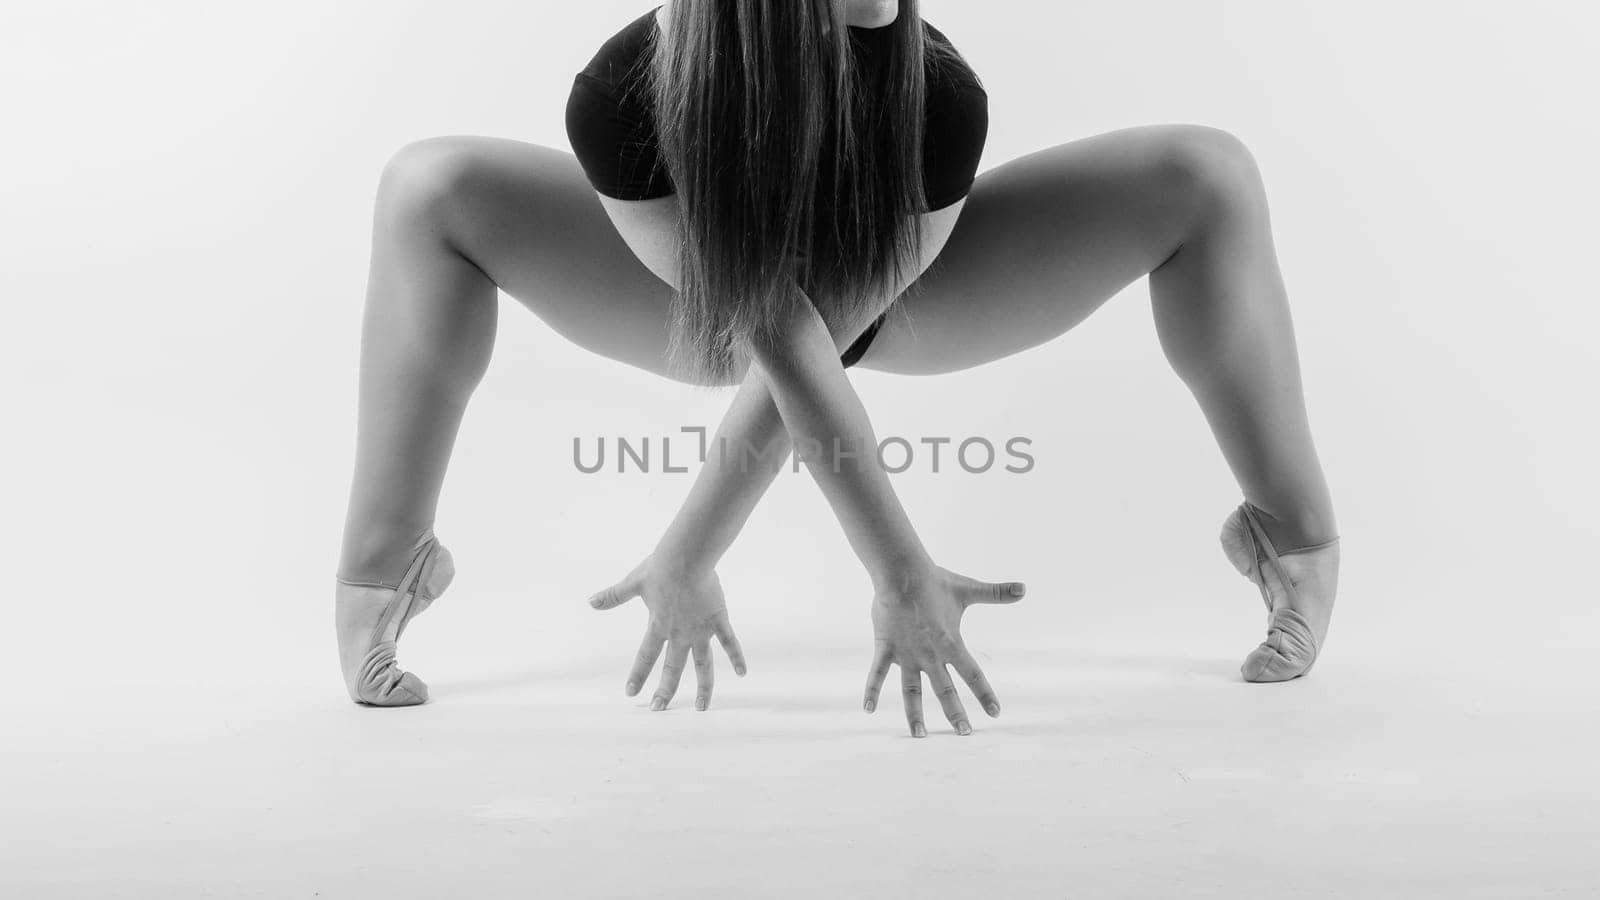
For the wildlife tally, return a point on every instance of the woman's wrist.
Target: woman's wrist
(675, 557)
(901, 574)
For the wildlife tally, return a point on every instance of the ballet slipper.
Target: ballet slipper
(370, 617)
(1293, 641)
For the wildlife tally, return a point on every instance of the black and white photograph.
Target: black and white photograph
(843, 449)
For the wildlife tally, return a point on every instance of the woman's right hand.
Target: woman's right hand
(917, 624)
(686, 609)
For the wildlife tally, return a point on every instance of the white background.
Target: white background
(185, 195)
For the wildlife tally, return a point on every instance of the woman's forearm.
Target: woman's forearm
(821, 411)
(742, 459)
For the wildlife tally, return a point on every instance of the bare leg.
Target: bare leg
(456, 218)
(427, 333)
(1047, 238)
(1222, 315)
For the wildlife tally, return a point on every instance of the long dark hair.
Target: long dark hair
(763, 107)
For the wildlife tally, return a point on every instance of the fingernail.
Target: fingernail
(631, 689)
(963, 728)
(1017, 590)
(993, 709)
(918, 730)
(701, 704)
(738, 670)
(869, 706)
(657, 705)
(594, 602)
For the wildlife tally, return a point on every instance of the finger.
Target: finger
(945, 690)
(616, 595)
(671, 672)
(971, 591)
(911, 697)
(644, 660)
(967, 668)
(730, 642)
(876, 676)
(705, 674)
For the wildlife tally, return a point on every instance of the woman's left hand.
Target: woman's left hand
(917, 625)
(686, 609)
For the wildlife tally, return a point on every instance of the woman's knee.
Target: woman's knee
(426, 181)
(1214, 170)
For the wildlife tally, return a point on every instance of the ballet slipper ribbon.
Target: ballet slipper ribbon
(1258, 538)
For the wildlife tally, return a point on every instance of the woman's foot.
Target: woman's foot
(1298, 587)
(370, 616)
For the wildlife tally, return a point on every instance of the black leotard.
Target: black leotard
(609, 124)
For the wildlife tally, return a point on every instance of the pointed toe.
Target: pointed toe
(381, 682)
(1288, 651)
(408, 691)
(370, 619)
(1265, 665)
(1292, 643)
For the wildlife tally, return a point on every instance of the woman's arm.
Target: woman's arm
(821, 410)
(917, 606)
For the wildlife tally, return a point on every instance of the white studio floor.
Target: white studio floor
(1130, 761)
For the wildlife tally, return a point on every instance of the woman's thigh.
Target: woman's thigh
(528, 218)
(1044, 239)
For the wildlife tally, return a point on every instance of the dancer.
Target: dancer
(765, 192)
